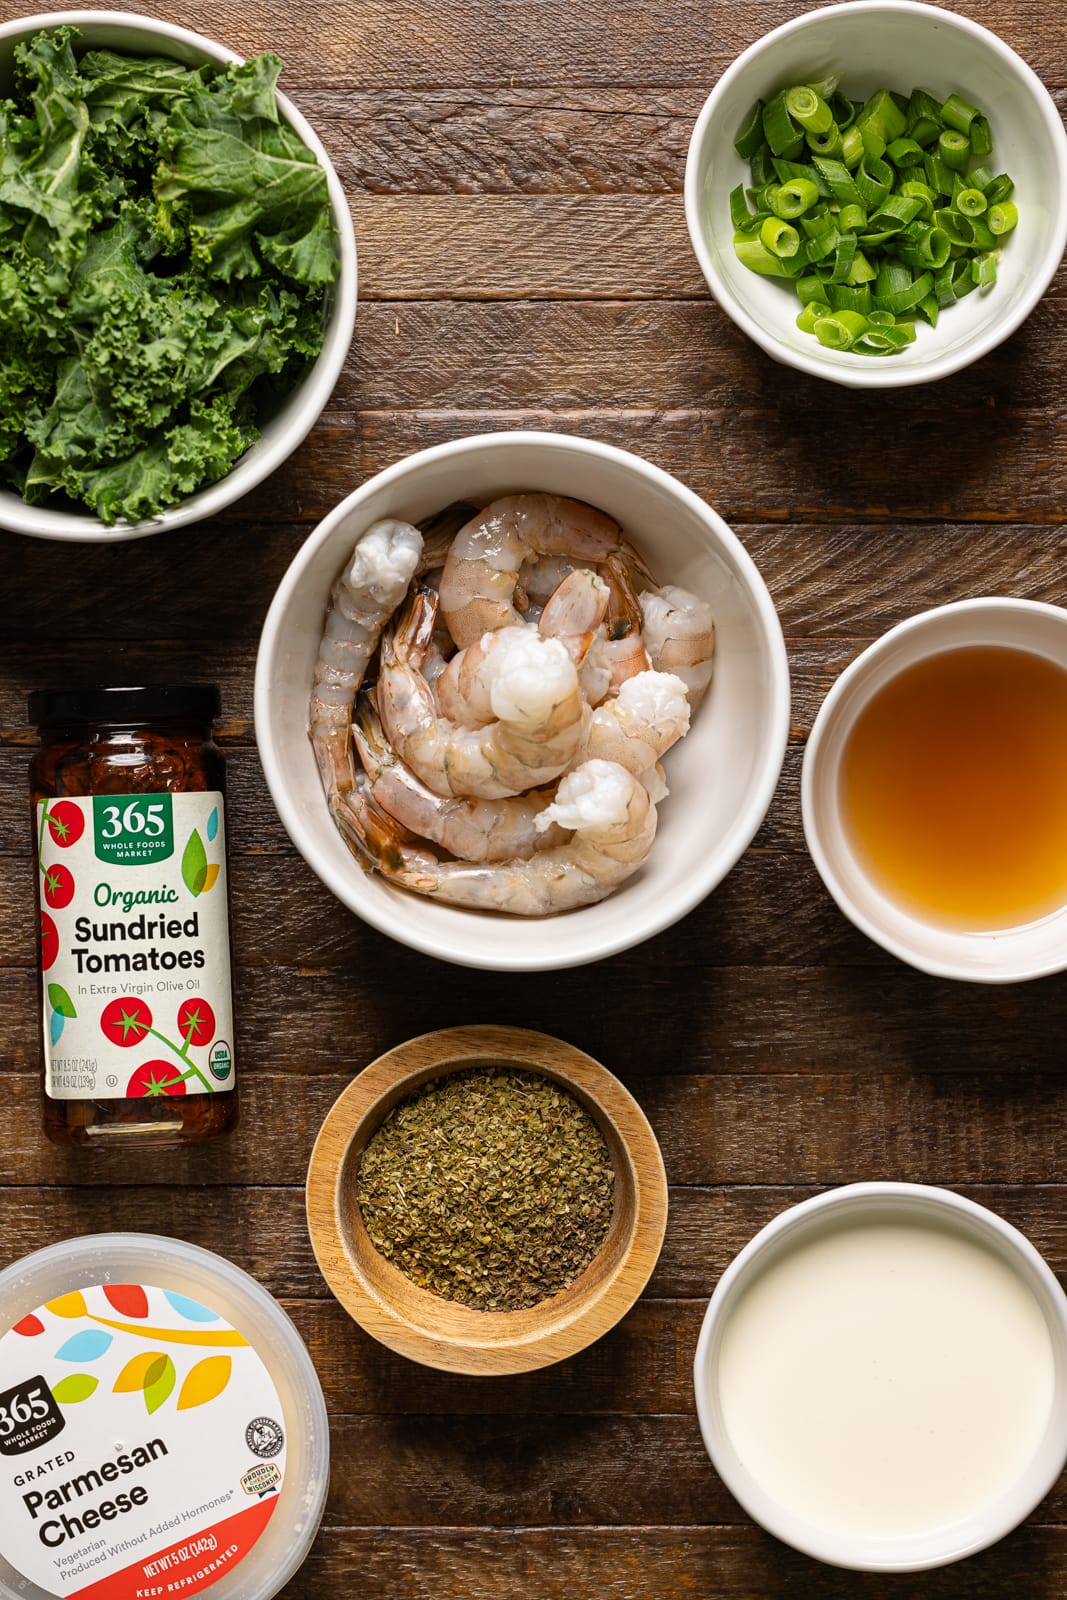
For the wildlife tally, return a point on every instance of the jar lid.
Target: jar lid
(131, 704)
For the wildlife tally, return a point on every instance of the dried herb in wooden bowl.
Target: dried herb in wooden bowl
(492, 1187)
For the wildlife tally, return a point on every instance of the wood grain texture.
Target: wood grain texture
(515, 170)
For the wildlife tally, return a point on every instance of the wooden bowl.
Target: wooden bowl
(442, 1333)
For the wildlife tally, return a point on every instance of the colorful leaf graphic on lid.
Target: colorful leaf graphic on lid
(87, 1346)
(213, 825)
(60, 1000)
(206, 1380)
(159, 1384)
(211, 876)
(135, 1374)
(129, 1299)
(194, 864)
(79, 1386)
(29, 1327)
(68, 1305)
(191, 1310)
(56, 1026)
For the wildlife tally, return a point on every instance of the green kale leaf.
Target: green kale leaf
(165, 251)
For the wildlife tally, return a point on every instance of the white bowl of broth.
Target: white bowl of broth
(934, 790)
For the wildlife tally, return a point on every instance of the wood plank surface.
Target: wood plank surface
(515, 171)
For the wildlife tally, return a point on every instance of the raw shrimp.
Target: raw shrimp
(639, 725)
(473, 830)
(618, 650)
(362, 600)
(572, 615)
(679, 631)
(614, 824)
(539, 711)
(487, 555)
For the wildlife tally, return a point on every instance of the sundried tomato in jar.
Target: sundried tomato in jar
(129, 830)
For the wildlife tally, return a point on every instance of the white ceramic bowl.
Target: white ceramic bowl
(1005, 956)
(722, 776)
(900, 45)
(1038, 1306)
(280, 433)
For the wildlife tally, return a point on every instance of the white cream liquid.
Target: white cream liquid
(886, 1378)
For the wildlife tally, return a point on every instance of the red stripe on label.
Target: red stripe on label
(188, 1565)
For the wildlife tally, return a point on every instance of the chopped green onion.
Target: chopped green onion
(999, 189)
(938, 175)
(753, 254)
(811, 289)
(810, 316)
(839, 179)
(922, 192)
(779, 129)
(825, 144)
(954, 149)
(880, 213)
(740, 215)
(779, 237)
(980, 137)
(957, 113)
(852, 151)
(806, 106)
(795, 197)
(904, 153)
(843, 108)
(984, 269)
(750, 134)
(883, 116)
(841, 329)
(924, 131)
(1002, 217)
(972, 202)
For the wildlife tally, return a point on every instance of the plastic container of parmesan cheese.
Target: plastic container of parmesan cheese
(162, 1427)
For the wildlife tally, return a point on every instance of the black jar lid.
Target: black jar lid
(132, 705)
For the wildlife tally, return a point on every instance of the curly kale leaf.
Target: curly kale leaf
(165, 242)
(198, 450)
(240, 187)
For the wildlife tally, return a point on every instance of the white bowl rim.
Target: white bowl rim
(860, 665)
(322, 376)
(768, 767)
(882, 375)
(822, 1545)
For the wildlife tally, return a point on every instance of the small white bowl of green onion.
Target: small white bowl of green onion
(876, 192)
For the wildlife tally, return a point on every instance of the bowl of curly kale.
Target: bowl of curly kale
(177, 275)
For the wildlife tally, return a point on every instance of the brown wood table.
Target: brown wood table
(515, 170)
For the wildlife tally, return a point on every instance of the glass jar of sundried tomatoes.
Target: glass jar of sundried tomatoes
(129, 832)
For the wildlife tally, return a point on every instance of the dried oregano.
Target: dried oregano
(493, 1187)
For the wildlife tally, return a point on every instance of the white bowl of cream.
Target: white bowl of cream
(881, 1377)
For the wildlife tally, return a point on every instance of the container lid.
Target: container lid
(179, 1360)
(129, 704)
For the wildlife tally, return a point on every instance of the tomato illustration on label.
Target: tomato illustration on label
(196, 1021)
(58, 886)
(126, 1021)
(49, 941)
(66, 823)
(152, 1079)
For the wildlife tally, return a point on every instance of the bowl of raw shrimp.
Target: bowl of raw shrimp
(560, 793)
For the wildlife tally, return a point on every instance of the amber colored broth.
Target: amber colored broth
(953, 788)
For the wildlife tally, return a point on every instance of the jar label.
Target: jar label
(142, 1444)
(134, 946)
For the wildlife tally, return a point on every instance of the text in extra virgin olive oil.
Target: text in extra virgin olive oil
(134, 945)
